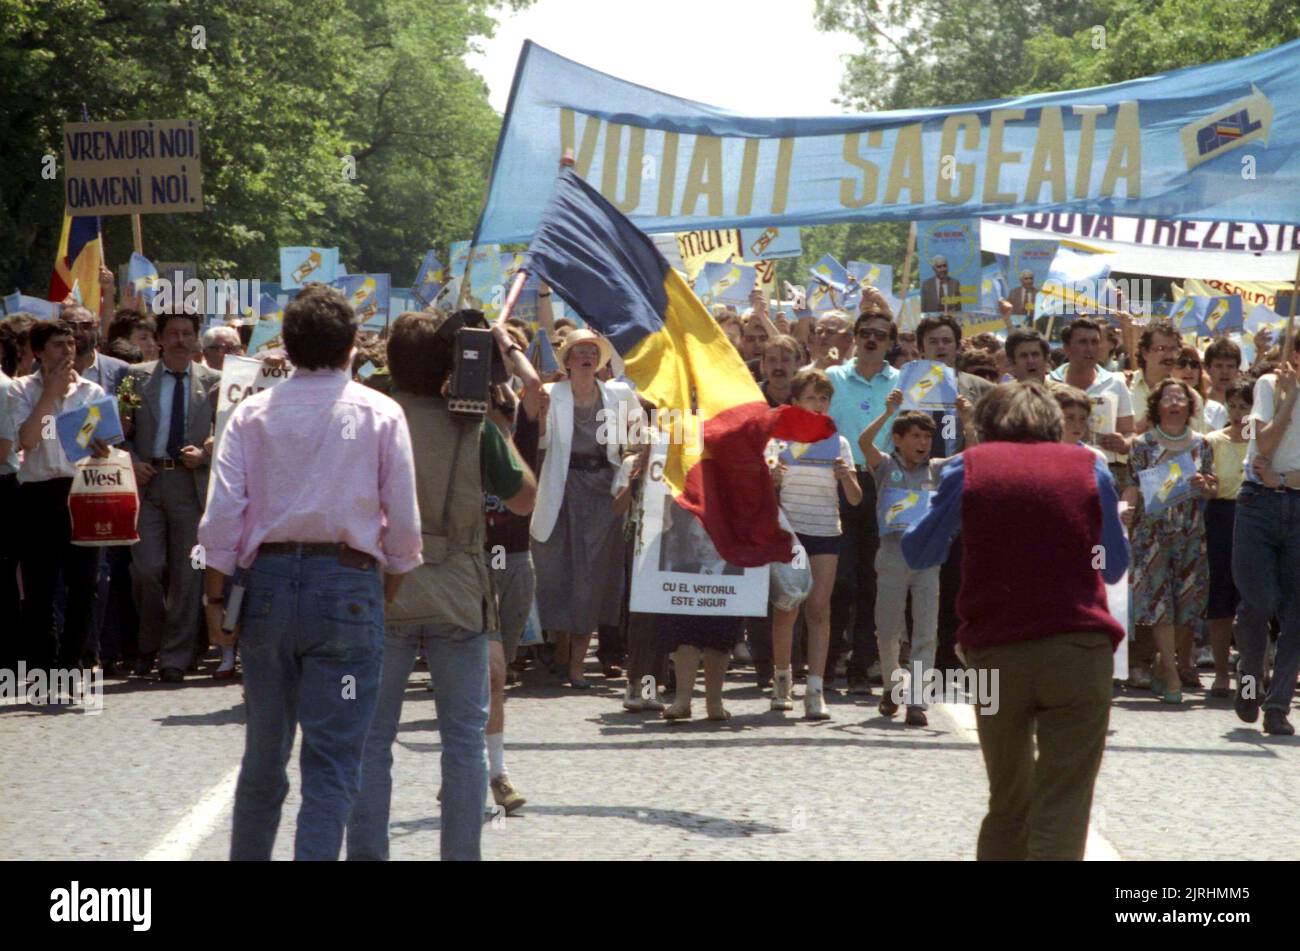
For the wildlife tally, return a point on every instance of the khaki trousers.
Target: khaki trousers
(1056, 690)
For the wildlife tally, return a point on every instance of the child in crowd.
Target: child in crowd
(1076, 407)
(1229, 446)
(909, 468)
(811, 503)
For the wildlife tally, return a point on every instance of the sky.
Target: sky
(757, 57)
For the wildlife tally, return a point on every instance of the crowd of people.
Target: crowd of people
(440, 539)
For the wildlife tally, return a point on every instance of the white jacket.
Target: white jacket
(557, 443)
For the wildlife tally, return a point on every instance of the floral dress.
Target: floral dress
(1170, 573)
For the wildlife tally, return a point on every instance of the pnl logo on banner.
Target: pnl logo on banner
(949, 254)
(299, 266)
(1236, 124)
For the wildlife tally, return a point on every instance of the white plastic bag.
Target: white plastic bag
(103, 503)
(791, 581)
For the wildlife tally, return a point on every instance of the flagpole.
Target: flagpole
(137, 235)
(907, 263)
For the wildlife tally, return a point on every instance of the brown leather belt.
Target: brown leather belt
(164, 464)
(348, 556)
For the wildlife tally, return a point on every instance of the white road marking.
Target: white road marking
(184, 838)
(1097, 848)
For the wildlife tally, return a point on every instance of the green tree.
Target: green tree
(348, 122)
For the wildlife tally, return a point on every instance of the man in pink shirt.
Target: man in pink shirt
(314, 499)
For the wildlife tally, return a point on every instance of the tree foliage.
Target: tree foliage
(290, 98)
(929, 53)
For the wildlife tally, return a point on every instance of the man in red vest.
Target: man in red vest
(1033, 615)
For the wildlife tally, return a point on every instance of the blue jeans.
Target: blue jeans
(312, 641)
(458, 665)
(1266, 570)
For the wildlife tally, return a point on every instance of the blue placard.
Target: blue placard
(368, 294)
(900, 509)
(927, 385)
(822, 453)
(96, 420)
(299, 266)
(1166, 484)
(36, 306)
(948, 255)
(726, 282)
(765, 244)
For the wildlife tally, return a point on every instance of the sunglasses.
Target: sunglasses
(1185, 362)
(871, 333)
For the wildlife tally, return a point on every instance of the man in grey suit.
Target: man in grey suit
(172, 422)
(941, 293)
(1022, 296)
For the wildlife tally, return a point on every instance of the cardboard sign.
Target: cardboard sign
(149, 166)
(677, 569)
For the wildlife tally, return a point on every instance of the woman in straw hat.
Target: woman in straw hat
(577, 537)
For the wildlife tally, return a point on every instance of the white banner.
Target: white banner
(241, 377)
(1246, 251)
(676, 569)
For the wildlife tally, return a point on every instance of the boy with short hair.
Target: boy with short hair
(908, 467)
(1076, 407)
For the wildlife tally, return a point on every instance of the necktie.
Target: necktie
(176, 426)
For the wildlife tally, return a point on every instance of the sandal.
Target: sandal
(721, 713)
(1190, 678)
(1222, 688)
(582, 684)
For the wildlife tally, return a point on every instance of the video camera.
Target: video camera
(476, 364)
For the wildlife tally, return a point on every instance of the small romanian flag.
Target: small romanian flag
(679, 359)
(76, 264)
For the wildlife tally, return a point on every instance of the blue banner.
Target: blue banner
(299, 266)
(949, 255)
(36, 306)
(428, 279)
(1166, 146)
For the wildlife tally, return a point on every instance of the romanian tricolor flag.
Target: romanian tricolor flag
(679, 359)
(77, 262)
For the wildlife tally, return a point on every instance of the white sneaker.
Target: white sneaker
(783, 690)
(741, 654)
(814, 705)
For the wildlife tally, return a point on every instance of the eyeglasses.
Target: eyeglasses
(828, 331)
(870, 333)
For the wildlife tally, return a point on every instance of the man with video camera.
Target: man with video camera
(441, 373)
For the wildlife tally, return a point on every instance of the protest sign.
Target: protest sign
(428, 279)
(949, 255)
(766, 244)
(1164, 146)
(300, 265)
(95, 420)
(1073, 286)
(1166, 484)
(241, 377)
(927, 385)
(368, 295)
(132, 168)
(901, 509)
(725, 283)
(698, 248)
(676, 569)
(36, 306)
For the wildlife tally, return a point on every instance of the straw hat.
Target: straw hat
(584, 335)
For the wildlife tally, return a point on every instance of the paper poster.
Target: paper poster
(1025, 270)
(927, 385)
(428, 279)
(821, 454)
(146, 166)
(676, 568)
(1167, 484)
(728, 283)
(368, 295)
(18, 302)
(95, 420)
(299, 266)
(766, 244)
(949, 264)
(901, 509)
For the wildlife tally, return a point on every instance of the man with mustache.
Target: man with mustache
(861, 387)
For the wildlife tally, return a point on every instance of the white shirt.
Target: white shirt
(165, 409)
(47, 460)
(8, 428)
(1286, 457)
(1111, 401)
(1216, 415)
(809, 495)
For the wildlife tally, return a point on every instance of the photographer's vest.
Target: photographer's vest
(453, 586)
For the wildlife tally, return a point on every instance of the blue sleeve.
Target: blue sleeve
(1114, 540)
(926, 543)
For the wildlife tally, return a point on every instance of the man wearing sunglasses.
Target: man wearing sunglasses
(861, 388)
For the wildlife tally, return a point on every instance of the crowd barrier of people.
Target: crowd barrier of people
(423, 538)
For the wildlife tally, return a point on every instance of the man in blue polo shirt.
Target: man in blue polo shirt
(861, 387)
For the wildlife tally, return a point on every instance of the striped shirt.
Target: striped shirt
(809, 492)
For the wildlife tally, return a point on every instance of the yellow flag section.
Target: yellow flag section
(1250, 292)
(688, 365)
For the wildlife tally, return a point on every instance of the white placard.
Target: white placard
(676, 569)
(241, 377)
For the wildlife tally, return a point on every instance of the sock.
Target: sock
(814, 683)
(227, 658)
(496, 747)
(783, 672)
